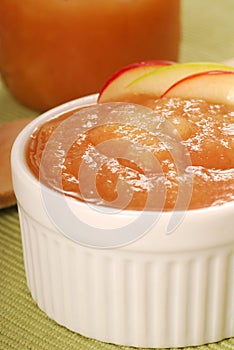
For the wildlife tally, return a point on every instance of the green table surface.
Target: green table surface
(207, 35)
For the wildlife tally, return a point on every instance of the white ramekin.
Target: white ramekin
(164, 290)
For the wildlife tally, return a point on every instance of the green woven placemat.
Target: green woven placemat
(207, 35)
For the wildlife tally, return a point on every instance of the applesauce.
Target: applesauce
(54, 51)
(203, 130)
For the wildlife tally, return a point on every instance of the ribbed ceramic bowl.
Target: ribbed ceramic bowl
(162, 290)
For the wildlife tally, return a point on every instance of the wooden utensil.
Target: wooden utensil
(8, 133)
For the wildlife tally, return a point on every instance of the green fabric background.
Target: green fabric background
(207, 35)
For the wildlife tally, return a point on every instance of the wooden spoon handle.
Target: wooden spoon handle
(8, 133)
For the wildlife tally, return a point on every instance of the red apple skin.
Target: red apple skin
(213, 86)
(137, 65)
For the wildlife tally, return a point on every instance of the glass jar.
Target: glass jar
(57, 50)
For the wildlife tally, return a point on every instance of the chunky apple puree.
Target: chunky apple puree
(206, 177)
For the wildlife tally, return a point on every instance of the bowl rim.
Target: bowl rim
(208, 221)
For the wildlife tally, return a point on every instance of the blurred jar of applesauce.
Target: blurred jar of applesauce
(57, 50)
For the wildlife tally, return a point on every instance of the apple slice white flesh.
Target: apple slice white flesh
(122, 78)
(213, 86)
(157, 81)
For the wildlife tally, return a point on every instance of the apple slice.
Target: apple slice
(213, 86)
(122, 78)
(155, 82)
